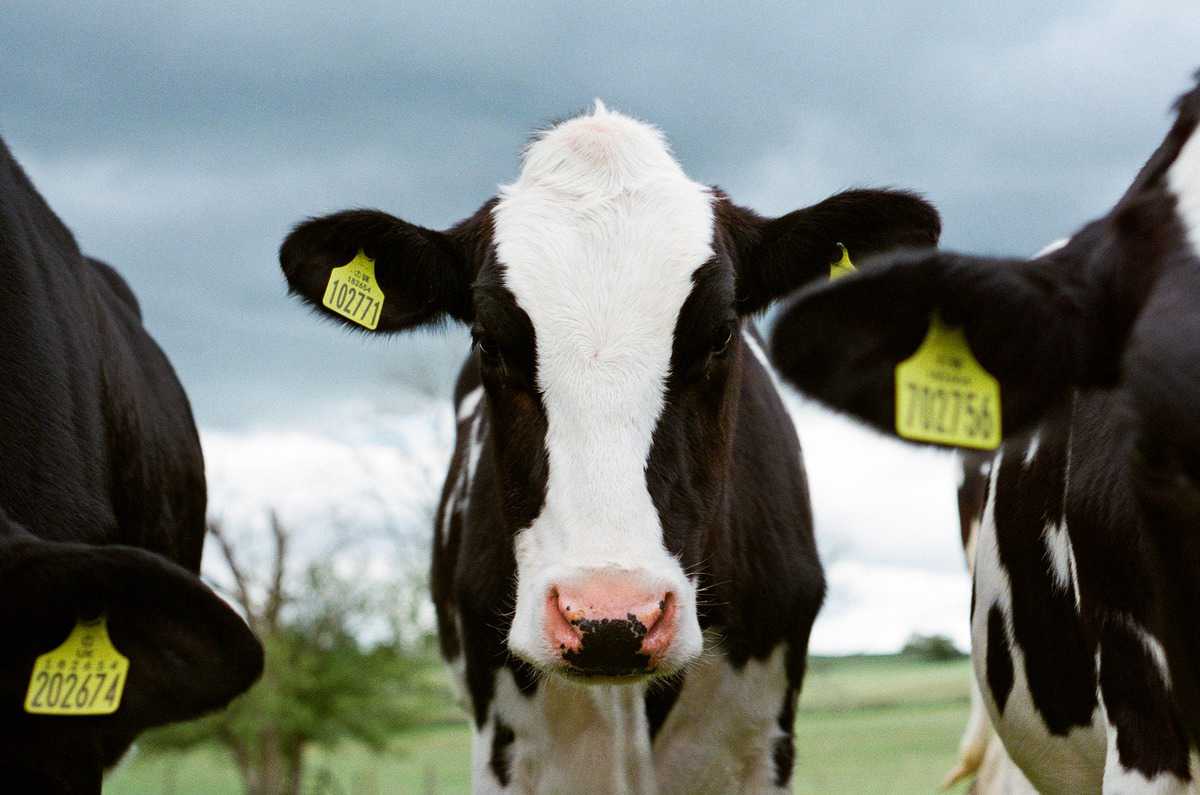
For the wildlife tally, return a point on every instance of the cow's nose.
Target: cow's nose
(610, 625)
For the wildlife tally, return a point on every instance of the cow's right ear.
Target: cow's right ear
(424, 274)
(1031, 324)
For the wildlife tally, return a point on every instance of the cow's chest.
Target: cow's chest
(722, 735)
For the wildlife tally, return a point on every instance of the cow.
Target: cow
(1084, 595)
(623, 569)
(102, 503)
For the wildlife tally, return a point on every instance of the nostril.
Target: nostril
(661, 632)
(561, 630)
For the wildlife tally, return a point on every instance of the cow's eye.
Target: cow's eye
(489, 352)
(722, 339)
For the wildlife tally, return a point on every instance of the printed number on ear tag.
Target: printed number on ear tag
(84, 676)
(353, 293)
(944, 395)
(843, 266)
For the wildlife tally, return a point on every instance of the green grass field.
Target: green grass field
(866, 725)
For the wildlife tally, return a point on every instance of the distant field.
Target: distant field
(866, 725)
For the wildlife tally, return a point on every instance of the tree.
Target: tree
(322, 683)
(931, 648)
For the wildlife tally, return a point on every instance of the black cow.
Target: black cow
(1085, 590)
(624, 550)
(102, 501)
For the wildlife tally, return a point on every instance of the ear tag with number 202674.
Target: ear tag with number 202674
(353, 293)
(944, 395)
(84, 676)
(843, 267)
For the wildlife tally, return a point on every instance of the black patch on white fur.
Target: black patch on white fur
(783, 754)
(502, 740)
(999, 659)
(1096, 344)
(660, 699)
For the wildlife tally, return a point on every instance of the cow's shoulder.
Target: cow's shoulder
(112, 283)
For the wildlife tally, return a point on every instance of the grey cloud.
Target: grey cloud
(180, 142)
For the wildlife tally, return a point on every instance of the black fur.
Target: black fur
(777, 255)
(1097, 345)
(660, 698)
(102, 506)
(502, 740)
(784, 752)
(999, 659)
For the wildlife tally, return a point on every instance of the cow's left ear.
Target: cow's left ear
(1036, 327)
(775, 256)
(424, 275)
(189, 653)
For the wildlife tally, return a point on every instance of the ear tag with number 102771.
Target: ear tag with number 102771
(353, 293)
(843, 267)
(944, 395)
(84, 676)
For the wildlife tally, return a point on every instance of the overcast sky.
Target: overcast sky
(181, 141)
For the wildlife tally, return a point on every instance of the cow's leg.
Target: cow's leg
(725, 733)
(1148, 750)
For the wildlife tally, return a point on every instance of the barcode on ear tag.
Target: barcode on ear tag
(943, 395)
(843, 266)
(353, 293)
(83, 676)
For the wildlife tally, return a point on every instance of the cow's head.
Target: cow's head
(1117, 306)
(605, 291)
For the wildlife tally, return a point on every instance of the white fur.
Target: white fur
(574, 738)
(720, 735)
(1152, 645)
(1061, 557)
(1050, 248)
(1032, 450)
(600, 236)
(1183, 179)
(761, 355)
(456, 502)
(470, 402)
(569, 738)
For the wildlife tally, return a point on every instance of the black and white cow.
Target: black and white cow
(102, 501)
(1084, 630)
(624, 548)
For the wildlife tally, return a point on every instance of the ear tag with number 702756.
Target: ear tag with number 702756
(353, 293)
(943, 395)
(84, 676)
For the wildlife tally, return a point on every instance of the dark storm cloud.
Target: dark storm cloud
(181, 143)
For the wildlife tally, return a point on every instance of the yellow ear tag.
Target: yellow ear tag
(353, 293)
(944, 395)
(843, 266)
(84, 676)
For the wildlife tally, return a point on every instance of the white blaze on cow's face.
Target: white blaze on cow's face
(1183, 180)
(598, 241)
